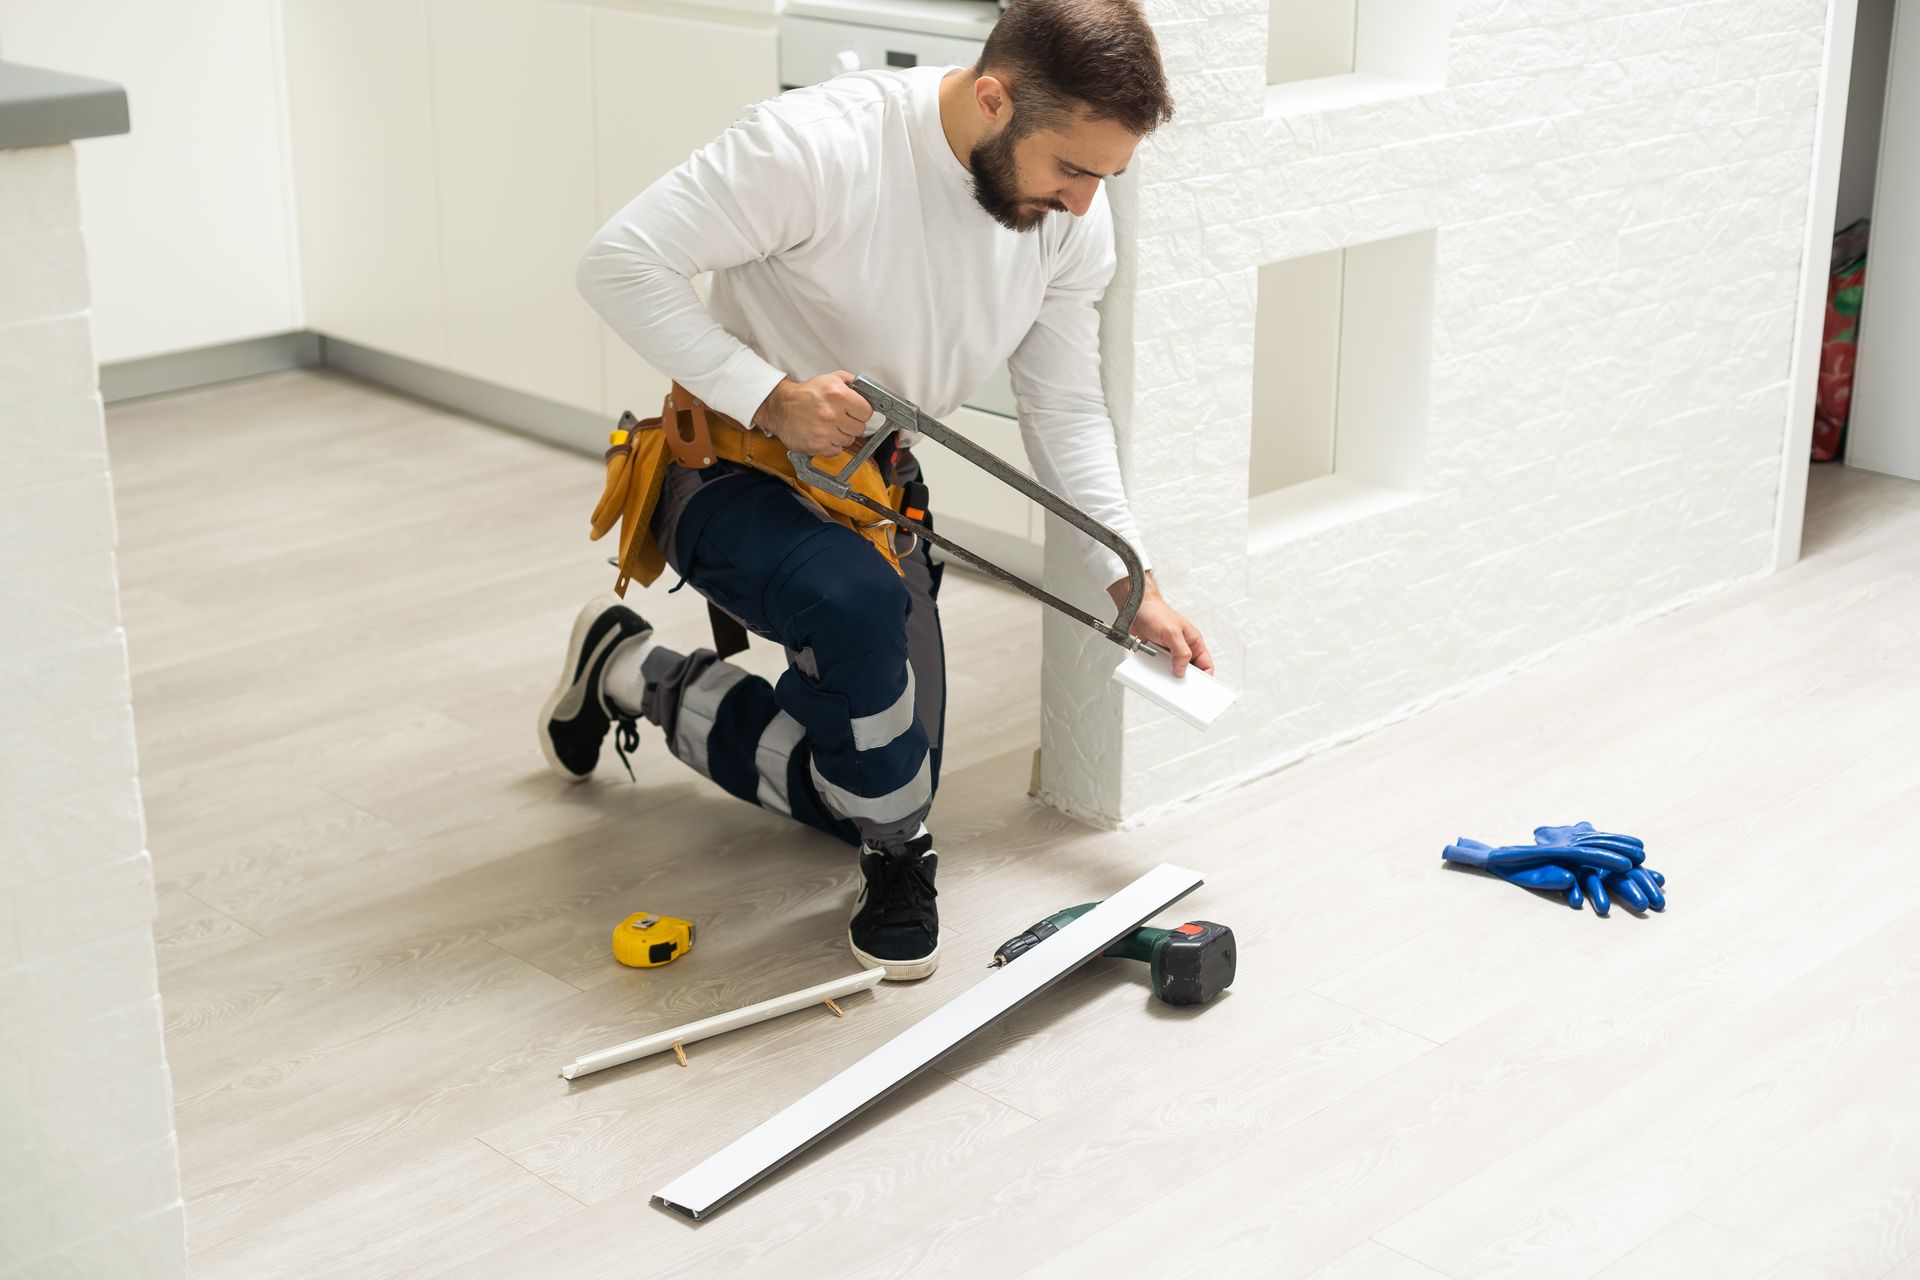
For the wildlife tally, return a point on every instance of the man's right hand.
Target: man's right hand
(819, 417)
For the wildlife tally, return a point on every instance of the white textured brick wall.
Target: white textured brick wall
(1618, 190)
(89, 1174)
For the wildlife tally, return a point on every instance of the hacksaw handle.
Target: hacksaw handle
(838, 483)
(905, 415)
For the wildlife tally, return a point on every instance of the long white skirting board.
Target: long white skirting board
(731, 1170)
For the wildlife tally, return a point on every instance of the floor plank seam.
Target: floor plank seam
(1410, 1258)
(259, 934)
(1908, 1264)
(329, 792)
(1699, 1209)
(1547, 1136)
(516, 1164)
(1340, 840)
(224, 915)
(1367, 960)
(1373, 1017)
(989, 1096)
(523, 960)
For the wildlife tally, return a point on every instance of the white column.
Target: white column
(89, 1174)
(1599, 208)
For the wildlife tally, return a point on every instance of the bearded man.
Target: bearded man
(923, 226)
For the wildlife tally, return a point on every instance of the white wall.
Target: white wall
(1618, 192)
(89, 1175)
(189, 216)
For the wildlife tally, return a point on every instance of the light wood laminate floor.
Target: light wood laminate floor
(384, 925)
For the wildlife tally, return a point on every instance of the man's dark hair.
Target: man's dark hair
(1058, 56)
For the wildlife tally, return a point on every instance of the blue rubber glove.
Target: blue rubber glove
(1587, 866)
(1525, 857)
(1553, 869)
(1641, 888)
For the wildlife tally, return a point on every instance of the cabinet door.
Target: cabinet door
(1883, 433)
(362, 133)
(663, 87)
(513, 128)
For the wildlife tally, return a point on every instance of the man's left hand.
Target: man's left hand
(1158, 622)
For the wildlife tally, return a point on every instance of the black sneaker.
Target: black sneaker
(576, 718)
(895, 925)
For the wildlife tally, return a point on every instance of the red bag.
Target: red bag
(1846, 284)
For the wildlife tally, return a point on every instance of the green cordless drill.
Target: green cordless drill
(1190, 964)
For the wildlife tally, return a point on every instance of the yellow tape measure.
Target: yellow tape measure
(645, 939)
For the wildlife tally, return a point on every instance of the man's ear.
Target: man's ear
(995, 102)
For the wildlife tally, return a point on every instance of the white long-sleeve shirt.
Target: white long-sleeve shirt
(842, 233)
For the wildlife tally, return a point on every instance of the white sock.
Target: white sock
(621, 680)
(915, 836)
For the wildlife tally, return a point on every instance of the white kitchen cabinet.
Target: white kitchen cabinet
(514, 157)
(362, 137)
(662, 88)
(454, 157)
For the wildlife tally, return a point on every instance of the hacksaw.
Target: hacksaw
(1197, 697)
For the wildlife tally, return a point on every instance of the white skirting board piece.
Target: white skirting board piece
(719, 1023)
(1196, 697)
(723, 1175)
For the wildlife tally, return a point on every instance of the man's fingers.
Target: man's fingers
(1202, 656)
(834, 442)
(1177, 646)
(847, 400)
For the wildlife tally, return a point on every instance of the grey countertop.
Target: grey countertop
(40, 107)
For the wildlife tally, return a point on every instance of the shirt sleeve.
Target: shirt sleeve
(749, 194)
(1062, 408)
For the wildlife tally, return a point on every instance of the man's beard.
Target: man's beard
(995, 179)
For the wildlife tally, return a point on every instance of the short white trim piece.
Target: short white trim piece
(719, 1023)
(1195, 697)
(723, 1175)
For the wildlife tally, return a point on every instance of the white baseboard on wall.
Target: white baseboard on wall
(574, 429)
(203, 366)
(563, 425)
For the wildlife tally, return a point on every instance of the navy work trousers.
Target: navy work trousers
(848, 739)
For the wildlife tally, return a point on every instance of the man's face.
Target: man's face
(1048, 171)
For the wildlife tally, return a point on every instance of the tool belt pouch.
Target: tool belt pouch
(636, 473)
(689, 434)
(688, 429)
(697, 435)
